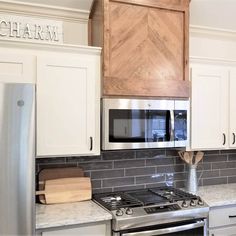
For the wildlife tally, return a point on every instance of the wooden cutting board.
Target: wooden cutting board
(65, 190)
(56, 173)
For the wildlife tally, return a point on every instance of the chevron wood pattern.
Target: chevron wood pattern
(145, 49)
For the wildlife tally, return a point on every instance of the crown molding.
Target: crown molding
(212, 60)
(197, 30)
(50, 47)
(45, 11)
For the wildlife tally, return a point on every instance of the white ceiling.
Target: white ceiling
(74, 4)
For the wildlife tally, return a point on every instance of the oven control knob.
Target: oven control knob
(129, 211)
(119, 212)
(184, 204)
(200, 202)
(192, 203)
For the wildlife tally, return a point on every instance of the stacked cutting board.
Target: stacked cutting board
(62, 185)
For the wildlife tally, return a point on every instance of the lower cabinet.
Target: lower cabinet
(225, 231)
(92, 229)
(222, 221)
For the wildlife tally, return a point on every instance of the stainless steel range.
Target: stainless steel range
(156, 211)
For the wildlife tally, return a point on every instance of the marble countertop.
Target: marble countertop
(218, 195)
(48, 216)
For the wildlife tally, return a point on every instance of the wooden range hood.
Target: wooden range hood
(145, 46)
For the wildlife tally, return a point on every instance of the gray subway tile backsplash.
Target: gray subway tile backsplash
(136, 169)
(140, 171)
(114, 182)
(213, 181)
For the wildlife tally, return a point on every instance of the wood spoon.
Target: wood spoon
(187, 158)
(198, 157)
(191, 157)
(181, 154)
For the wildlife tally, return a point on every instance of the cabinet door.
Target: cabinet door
(145, 50)
(98, 229)
(17, 68)
(225, 231)
(232, 113)
(67, 105)
(209, 107)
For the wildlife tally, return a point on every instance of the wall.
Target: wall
(213, 13)
(120, 170)
(75, 21)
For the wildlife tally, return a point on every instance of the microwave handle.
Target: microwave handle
(172, 125)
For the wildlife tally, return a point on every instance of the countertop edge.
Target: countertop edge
(69, 215)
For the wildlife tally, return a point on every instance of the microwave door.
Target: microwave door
(159, 129)
(181, 129)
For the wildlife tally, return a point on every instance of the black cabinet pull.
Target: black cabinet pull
(232, 216)
(233, 138)
(224, 139)
(91, 143)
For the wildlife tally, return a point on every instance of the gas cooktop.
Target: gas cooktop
(164, 204)
(145, 197)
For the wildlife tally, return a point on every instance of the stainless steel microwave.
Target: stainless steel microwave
(138, 123)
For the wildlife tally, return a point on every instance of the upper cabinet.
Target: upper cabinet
(68, 100)
(145, 46)
(232, 108)
(209, 107)
(67, 95)
(213, 107)
(17, 68)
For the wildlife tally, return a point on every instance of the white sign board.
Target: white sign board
(29, 29)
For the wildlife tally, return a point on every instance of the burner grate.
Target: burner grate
(173, 194)
(114, 201)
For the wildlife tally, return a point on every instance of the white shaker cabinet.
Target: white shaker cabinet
(68, 100)
(222, 221)
(90, 229)
(17, 68)
(209, 107)
(232, 109)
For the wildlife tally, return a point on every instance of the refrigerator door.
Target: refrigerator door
(17, 159)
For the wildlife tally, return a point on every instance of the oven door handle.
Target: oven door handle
(167, 230)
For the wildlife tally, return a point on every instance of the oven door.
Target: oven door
(196, 228)
(136, 123)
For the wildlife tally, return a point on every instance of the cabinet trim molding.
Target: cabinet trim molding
(212, 61)
(69, 48)
(212, 32)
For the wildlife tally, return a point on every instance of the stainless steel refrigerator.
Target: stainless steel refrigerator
(17, 159)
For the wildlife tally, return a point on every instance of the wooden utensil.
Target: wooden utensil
(67, 190)
(187, 158)
(198, 157)
(181, 154)
(56, 173)
(191, 157)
